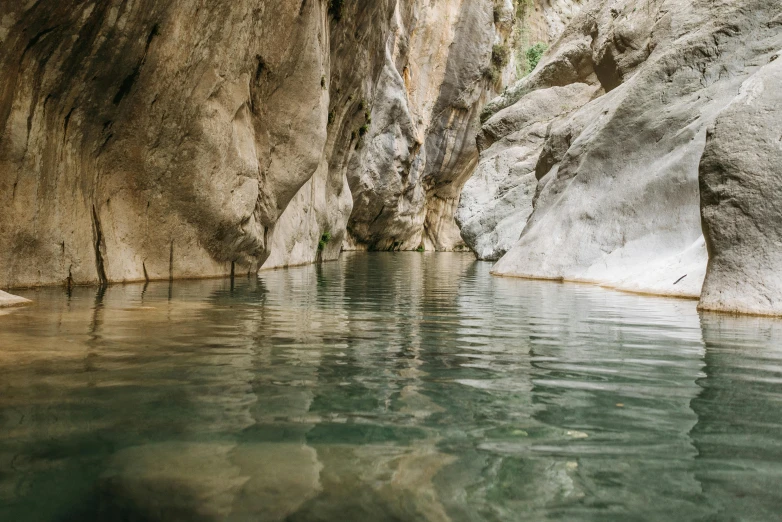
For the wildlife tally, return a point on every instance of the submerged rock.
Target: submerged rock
(617, 199)
(7, 300)
(188, 481)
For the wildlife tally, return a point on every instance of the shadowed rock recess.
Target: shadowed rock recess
(647, 126)
(157, 140)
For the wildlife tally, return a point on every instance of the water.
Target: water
(385, 387)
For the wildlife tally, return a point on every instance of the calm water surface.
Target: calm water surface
(385, 387)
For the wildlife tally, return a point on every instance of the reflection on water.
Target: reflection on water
(385, 387)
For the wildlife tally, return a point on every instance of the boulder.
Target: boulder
(741, 199)
(7, 300)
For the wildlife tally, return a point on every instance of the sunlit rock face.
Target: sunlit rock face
(443, 62)
(154, 140)
(497, 200)
(616, 196)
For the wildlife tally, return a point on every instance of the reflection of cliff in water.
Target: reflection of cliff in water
(592, 393)
(383, 387)
(740, 417)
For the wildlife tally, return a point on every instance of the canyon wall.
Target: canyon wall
(154, 140)
(593, 168)
(741, 197)
(144, 140)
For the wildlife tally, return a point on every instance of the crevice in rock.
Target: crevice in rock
(65, 124)
(382, 209)
(127, 83)
(171, 262)
(35, 39)
(97, 234)
(607, 72)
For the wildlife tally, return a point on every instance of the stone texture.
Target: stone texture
(146, 140)
(173, 481)
(497, 200)
(741, 199)
(151, 140)
(617, 198)
(417, 148)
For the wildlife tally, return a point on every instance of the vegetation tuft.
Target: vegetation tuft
(499, 56)
(324, 240)
(533, 55)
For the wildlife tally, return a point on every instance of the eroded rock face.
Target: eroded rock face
(416, 147)
(313, 227)
(617, 199)
(497, 201)
(154, 140)
(741, 198)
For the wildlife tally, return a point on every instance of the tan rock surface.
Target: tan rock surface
(152, 140)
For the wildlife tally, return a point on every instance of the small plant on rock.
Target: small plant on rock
(534, 54)
(324, 240)
(499, 56)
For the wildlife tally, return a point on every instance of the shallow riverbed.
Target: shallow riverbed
(385, 387)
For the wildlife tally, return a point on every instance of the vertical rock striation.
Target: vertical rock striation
(154, 140)
(146, 140)
(416, 147)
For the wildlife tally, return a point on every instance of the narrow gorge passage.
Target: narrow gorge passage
(390, 260)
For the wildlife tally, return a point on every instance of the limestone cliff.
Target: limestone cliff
(590, 166)
(156, 140)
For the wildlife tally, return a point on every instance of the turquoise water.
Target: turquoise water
(385, 387)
